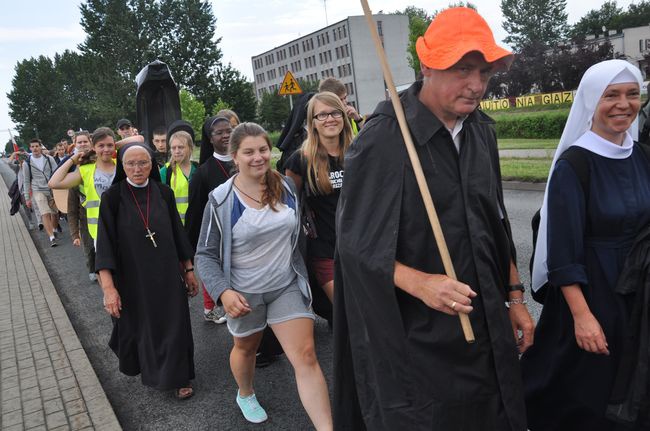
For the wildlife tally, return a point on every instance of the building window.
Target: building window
(380, 28)
(345, 32)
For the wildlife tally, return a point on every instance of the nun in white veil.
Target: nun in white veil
(584, 237)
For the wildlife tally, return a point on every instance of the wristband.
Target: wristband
(189, 270)
(516, 301)
(515, 287)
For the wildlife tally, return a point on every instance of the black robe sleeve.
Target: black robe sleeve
(183, 247)
(107, 233)
(365, 303)
(198, 197)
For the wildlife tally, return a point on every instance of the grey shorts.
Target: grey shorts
(270, 308)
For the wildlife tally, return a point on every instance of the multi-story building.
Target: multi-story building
(344, 50)
(631, 44)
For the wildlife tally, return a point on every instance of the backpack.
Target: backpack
(49, 163)
(577, 158)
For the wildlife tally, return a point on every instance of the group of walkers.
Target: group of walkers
(400, 358)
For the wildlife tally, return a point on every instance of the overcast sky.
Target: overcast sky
(247, 28)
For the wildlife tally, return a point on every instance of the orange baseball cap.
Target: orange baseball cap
(455, 32)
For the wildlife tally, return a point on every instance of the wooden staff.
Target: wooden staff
(417, 167)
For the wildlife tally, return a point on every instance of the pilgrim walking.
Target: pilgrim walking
(145, 270)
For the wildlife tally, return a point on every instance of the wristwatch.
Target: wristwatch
(515, 287)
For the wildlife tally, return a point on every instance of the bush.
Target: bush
(537, 125)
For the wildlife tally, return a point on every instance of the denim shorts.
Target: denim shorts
(270, 308)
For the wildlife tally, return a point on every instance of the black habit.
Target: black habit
(153, 336)
(211, 174)
(399, 364)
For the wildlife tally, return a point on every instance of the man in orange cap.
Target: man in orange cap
(401, 361)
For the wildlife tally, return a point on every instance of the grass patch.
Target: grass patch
(528, 144)
(529, 170)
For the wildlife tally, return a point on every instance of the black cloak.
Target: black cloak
(293, 133)
(399, 364)
(153, 336)
(157, 100)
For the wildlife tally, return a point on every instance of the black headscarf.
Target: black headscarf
(206, 145)
(120, 174)
(177, 126)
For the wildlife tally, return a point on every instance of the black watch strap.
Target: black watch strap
(515, 288)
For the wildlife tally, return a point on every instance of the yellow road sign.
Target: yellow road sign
(289, 85)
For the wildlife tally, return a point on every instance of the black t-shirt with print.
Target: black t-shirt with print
(322, 206)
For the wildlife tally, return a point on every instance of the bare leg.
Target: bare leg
(329, 290)
(242, 362)
(297, 339)
(48, 224)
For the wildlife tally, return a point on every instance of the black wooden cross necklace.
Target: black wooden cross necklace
(145, 221)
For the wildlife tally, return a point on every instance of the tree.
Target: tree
(419, 21)
(609, 16)
(35, 100)
(534, 21)
(188, 46)
(273, 111)
(192, 111)
(235, 90)
(122, 36)
(612, 17)
(220, 105)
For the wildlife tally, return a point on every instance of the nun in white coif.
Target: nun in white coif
(584, 237)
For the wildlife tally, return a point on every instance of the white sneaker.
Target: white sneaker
(216, 315)
(92, 276)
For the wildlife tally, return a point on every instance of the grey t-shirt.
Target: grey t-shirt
(103, 181)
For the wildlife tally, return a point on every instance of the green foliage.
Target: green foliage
(45, 101)
(608, 16)
(273, 110)
(192, 111)
(236, 91)
(558, 68)
(419, 21)
(307, 86)
(534, 21)
(532, 170)
(219, 106)
(612, 17)
(537, 125)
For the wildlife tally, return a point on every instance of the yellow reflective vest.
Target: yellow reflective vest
(91, 204)
(181, 187)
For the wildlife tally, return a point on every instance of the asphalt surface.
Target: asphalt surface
(213, 405)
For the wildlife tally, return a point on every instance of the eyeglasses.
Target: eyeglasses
(140, 164)
(322, 116)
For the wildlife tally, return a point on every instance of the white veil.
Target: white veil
(592, 86)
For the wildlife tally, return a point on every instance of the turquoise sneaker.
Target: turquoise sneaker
(251, 409)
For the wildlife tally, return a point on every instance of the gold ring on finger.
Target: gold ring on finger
(453, 305)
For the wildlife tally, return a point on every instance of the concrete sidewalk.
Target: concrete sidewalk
(46, 380)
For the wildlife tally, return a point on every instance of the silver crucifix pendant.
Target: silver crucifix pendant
(150, 236)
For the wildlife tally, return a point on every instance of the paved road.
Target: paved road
(213, 406)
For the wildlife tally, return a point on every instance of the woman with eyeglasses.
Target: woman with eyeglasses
(146, 274)
(317, 170)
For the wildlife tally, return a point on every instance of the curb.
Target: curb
(520, 185)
